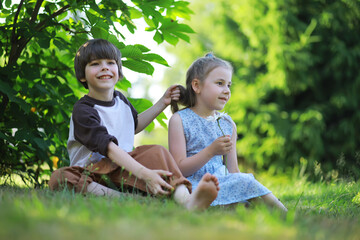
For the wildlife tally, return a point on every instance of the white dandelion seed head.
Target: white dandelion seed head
(217, 116)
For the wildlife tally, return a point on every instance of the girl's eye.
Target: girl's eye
(93, 64)
(220, 83)
(111, 62)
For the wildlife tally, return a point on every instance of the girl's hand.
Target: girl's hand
(221, 146)
(155, 181)
(171, 94)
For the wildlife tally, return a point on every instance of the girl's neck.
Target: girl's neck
(202, 112)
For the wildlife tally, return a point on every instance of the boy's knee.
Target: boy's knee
(58, 179)
(159, 148)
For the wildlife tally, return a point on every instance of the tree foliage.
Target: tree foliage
(295, 95)
(38, 41)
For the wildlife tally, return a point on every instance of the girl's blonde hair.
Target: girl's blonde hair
(199, 69)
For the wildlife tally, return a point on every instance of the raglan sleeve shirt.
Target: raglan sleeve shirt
(94, 124)
(89, 131)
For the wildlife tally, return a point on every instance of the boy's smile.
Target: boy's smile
(101, 76)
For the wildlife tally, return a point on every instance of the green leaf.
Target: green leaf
(150, 22)
(97, 32)
(152, 57)
(43, 40)
(131, 51)
(119, 45)
(23, 134)
(3, 136)
(160, 118)
(158, 37)
(182, 36)
(5, 88)
(8, 3)
(29, 71)
(123, 84)
(142, 48)
(139, 66)
(41, 143)
(140, 104)
(92, 18)
(170, 38)
(135, 13)
(60, 43)
(183, 28)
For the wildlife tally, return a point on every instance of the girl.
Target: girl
(199, 144)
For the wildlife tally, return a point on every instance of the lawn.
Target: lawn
(316, 211)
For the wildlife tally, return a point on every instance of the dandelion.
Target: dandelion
(216, 118)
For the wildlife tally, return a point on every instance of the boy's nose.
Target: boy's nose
(105, 66)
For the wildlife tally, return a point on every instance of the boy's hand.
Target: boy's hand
(171, 94)
(221, 146)
(155, 182)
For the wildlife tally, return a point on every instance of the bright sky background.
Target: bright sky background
(146, 39)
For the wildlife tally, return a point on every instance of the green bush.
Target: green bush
(295, 88)
(38, 41)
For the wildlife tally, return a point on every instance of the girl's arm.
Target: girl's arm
(146, 117)
(177, 147)
(232, 156)
(153, 178)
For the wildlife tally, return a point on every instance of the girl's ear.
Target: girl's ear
(195, 84)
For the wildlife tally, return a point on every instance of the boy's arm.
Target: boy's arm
(146, 117)
(153, 178)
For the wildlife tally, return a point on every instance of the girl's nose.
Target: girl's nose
(227, 89)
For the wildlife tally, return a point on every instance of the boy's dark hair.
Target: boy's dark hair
(199, 69)
(92, 50)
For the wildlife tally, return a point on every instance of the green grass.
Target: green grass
(316, 211)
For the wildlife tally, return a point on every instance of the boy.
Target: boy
(101, 137)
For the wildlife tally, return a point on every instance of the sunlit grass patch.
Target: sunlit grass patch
(316, 211)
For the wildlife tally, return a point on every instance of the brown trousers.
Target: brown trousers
(111, 175)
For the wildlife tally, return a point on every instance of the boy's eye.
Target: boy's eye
(220, 83)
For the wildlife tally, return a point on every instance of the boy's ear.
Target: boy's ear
(195, 84)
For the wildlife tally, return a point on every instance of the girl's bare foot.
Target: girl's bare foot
(205, 193)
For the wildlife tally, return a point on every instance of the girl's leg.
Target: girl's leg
(202, 197)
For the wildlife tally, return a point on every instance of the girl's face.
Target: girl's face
(101, 75)
(214, 92)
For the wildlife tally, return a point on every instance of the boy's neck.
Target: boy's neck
(102, 96)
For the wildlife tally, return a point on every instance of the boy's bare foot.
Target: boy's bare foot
(205, 193)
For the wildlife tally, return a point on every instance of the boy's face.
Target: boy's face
(101, 75)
